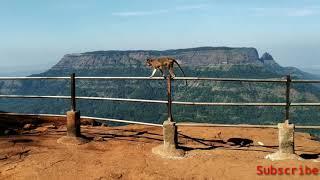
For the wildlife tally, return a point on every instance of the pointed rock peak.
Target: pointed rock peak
(266, 56)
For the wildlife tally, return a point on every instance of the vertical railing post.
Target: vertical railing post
(288, 86)
(73, 116)
(74, 136)
(169, 106)
(73, 91)
(169, 148)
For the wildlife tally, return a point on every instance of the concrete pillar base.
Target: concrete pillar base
(169, 147)
(73, 130)
(73, 123)
(278, 156)
(169, 153)
(286, 143)
(69, 140)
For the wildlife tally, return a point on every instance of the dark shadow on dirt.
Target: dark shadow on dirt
(214, 143)
(310, 156)
(241, 142)
(186, 148)
(205, 142)
(315, 138)
(15, 141)
(231, 144)
(120, 133)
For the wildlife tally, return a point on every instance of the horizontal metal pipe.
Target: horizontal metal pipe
(305, 104)
(119, 78)
(161, 78)
(183, 103)
(88, 117)
(159, 125)
(148, 101)
(305, 81)
(123, 99)
(241, 125)
(307, 127)
(87, 98)
(230, 79)
(183, 78)
(32, 78)
(225, 125)
(228, 104)
(24, 114)
(122, 121)
(161, 101)
(34, 96)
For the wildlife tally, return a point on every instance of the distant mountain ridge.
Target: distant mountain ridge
(122, 62)
(201, 56)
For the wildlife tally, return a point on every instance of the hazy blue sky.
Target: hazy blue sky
(38, 32)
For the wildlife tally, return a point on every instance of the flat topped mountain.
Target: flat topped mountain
(201, 56)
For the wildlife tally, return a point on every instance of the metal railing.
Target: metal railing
(288, 82)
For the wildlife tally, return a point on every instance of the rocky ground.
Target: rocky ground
(126, 153)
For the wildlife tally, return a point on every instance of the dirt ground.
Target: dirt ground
(126, 153)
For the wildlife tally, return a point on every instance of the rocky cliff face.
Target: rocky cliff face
(203, 56)
(266, 58)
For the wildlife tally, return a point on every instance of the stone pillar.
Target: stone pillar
(169, 148)
(73, 123)
(286, 143)
(74, 136)
(286, 138)
(169, 134)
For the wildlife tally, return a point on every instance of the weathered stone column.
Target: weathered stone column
(74, 136)
(169, 135)
(169, 148)
(286, 138)
(73, 123)
(286, 143)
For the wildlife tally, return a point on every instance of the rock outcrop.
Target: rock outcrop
(266, 58)
(202, 56)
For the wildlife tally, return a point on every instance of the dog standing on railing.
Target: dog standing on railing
(163, 63)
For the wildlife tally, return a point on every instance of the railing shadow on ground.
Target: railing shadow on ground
(230, 144)
(240, 144)
(186, 143)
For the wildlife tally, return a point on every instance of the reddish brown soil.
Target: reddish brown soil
(126, 153)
